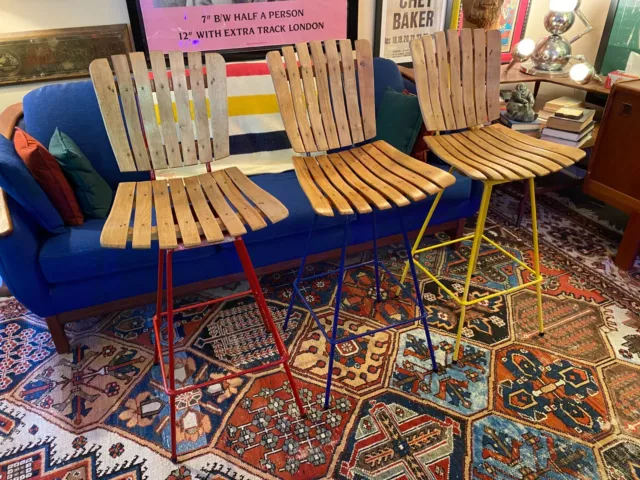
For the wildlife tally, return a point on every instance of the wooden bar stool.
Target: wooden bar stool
(198, 210)
(325, 105)
(458, 82)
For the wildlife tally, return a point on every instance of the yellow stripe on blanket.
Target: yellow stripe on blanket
(240, 105)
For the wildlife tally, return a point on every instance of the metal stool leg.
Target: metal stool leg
(170, 341)
(254, 283)
(475, 249)
(157, 320)
(300, 273)
(336, 313)
(375, 257)
(536, 253)
(416, 286)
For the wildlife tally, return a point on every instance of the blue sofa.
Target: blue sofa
(69, 276)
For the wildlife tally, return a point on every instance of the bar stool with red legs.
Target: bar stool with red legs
(194, 211)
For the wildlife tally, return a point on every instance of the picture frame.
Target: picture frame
(398, 22)
(513, 23)
(247, 53)
(61, 53)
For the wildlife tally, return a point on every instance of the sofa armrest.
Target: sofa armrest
(407, 73)
(9, 118)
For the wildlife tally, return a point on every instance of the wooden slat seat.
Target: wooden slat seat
(189, 211)
(375, 176)
(497, 153)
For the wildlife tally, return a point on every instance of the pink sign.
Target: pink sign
(195, 25)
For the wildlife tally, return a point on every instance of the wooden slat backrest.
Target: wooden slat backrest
(457, 78)
(325, 95)
(163, 122)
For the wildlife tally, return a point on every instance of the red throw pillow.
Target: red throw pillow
(47, 172)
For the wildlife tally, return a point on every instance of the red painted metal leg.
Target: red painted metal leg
(170, 340)
(250, 273)
(157, 320)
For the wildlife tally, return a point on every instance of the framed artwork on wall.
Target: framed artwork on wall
(400, 21)
(512, 24)
(238, 29)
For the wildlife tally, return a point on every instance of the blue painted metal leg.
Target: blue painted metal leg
(336, 313)
(300, 273)
(416, 286)
(375, 257)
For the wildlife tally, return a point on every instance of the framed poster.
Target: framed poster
(40, 55)
(512, 23)
(233, 26)
(400, 21)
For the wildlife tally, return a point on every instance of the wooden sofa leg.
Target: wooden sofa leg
(59, 337)
(457, 232)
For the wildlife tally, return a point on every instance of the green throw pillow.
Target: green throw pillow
(93, 193)
(399, 120)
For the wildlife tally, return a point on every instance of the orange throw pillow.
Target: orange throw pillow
(47, 172)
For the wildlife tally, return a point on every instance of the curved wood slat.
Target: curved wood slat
(165, 107)
(434, 83)
(350, 177)
(431, 173)
(441, 149)
(324, 97)
(217, 87)
(468, 95)
(443, 80)
(297, 95)
(455, 79)
(270, 206)
(574, 154)
(148, 110)
(351, 91)
(181, 94)
(388, 177)
(487, 151)
(225, 213)
(205, 152)
(105, 89)
(561, 160)
(318, 201)
(365, 175)
(141, 237)
(311, 96)
(422, 84)
(131, 114)
(285, 103)
(364, 61)
(334, 177)
(206, 218)
(164, 216)
(337, 92)
(186, 222)
(494, 52)
(341, 204)
(519, 152)
(458, 148)
(479, 74)
(251, 216)
(384, 161)
(116, 228)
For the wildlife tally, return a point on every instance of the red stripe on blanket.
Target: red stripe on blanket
(235, 70)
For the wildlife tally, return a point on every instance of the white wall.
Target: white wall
(24, 15)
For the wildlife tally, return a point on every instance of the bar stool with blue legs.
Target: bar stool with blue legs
(327, 102)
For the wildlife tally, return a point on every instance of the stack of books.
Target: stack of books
(528, 128)
(552, 106)
(569, 126)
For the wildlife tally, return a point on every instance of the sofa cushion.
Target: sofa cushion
(399, 120)
(72, 107)
(47, 172)
(93, 194)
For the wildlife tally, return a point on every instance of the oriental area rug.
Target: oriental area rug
(516, 405)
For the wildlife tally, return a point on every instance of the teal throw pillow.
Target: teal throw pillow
(399, 120)
(93, 193)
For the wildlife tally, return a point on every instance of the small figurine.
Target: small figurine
(520, 106)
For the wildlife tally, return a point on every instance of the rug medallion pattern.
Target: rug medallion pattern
(515, 406)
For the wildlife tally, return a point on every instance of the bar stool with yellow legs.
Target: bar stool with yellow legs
(458, 82)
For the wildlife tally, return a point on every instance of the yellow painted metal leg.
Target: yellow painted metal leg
(416, 244)
(475, 249)
(536, 253)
